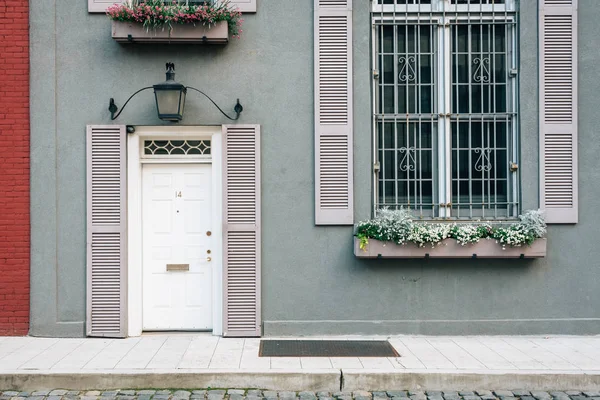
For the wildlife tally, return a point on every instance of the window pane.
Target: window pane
(388, 39)
(406, 62)
(389, 164)
(386, 136)
(426, 69)
(407, 171)
(500, 38)
(388, 69)
(479, 69)
(460, 70)
(388, 99)
(460, 38)
(499, 68)
(480, 167)
(501, 99)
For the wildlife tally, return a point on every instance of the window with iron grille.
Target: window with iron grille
(445, 107)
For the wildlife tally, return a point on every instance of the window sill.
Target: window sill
(129, 32)
(449, 248)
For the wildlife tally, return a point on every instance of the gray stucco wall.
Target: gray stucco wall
(312, 283)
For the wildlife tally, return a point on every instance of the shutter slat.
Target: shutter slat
(558, 110)
(333, 113)
(241, 166)
(106, 234)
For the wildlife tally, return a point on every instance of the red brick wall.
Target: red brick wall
(14, 167)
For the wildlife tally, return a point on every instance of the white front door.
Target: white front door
(177, 268)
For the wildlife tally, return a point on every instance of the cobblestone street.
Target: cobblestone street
(253, 394)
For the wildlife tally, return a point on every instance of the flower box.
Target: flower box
(133, 32)
(449, 248)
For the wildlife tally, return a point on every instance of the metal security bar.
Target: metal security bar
(445, 107)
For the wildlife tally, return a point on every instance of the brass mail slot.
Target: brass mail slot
(178, 267)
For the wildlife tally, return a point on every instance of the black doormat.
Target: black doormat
(326, 348)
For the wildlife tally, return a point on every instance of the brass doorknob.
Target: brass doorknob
(209, 259)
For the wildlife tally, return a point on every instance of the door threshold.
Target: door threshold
(177, 333)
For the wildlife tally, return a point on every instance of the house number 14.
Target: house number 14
(178, 194)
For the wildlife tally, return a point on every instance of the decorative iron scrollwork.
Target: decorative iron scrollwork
(408, 162)
(407, 69)
(483, 163)
(482, 70)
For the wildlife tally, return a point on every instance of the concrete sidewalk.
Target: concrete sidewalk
(202, 360)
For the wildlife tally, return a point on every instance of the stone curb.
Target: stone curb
(456, 381)
(314, 381)
(353, 380)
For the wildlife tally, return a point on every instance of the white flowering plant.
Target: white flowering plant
(399, 226)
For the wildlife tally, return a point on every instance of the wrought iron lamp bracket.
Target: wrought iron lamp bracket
(112, 107)
(171, 86)
(237, 108)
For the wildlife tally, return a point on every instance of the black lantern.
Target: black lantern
(170, 97)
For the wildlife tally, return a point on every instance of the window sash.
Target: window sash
(491, 196)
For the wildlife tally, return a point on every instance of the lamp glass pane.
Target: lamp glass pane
(182, 103)
(168, 102)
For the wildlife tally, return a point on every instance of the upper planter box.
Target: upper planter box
(449, 248)
(131, 32)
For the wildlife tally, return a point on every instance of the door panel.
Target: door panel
(176, 231)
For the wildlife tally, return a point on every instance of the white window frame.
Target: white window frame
(443, 13)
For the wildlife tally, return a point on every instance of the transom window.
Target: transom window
(176, 148)
(445, 107)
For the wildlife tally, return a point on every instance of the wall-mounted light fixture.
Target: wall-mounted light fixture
(170, 99)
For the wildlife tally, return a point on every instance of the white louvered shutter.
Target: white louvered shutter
(100, 6)
(106, 231)
(558, 110)
(241, 172)
(333, 113)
